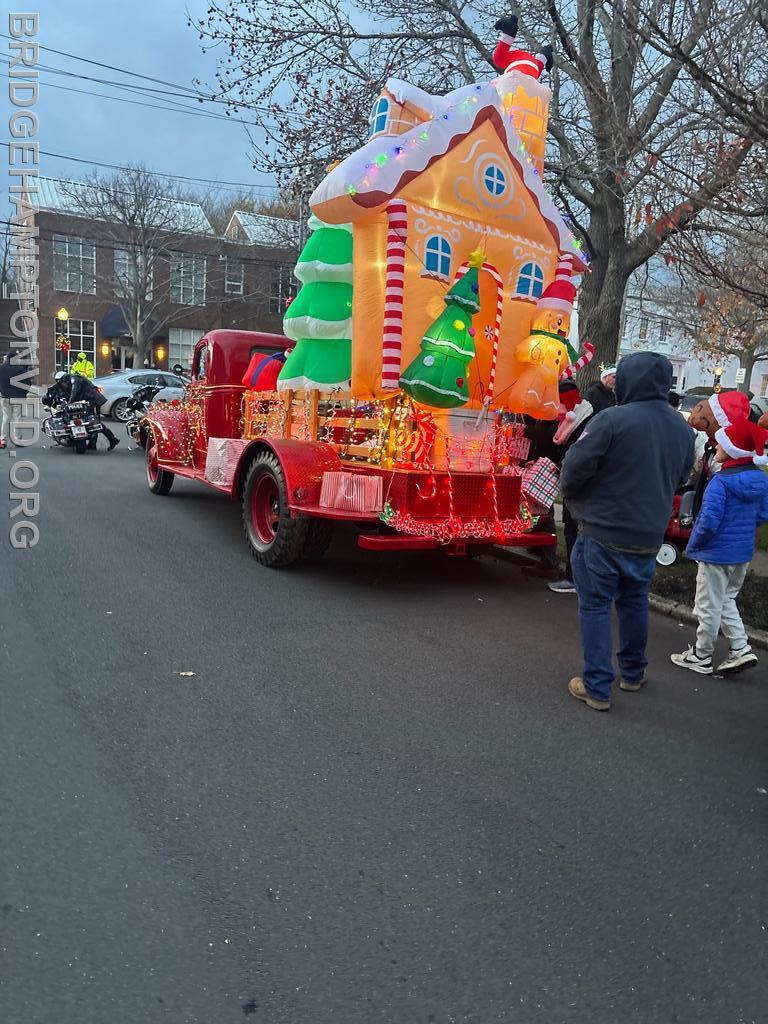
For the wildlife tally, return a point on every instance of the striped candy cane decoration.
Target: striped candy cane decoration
(587, 356)
(497, 323)
(392, 347)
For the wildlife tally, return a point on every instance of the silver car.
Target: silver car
(118, 387)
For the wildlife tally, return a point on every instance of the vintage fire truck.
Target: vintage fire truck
(437, 285)
(298, 461)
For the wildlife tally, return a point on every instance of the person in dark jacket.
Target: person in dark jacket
(74, 388)
(602, 394)
(619, 479)
(84, 390)
(723, 542)
(574, 422)
(11, 396)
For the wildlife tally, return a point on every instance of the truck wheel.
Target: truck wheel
(159, 481)
(319, 536)
(274, 539)
(80, 447)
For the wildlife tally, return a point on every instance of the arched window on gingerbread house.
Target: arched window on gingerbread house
(530, 281)
(379, 115)
(437, 256)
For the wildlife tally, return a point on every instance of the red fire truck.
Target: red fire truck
(299, 461)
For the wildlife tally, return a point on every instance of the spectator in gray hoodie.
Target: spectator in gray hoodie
(619, 479)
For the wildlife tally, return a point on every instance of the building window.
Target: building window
(130, 274)
(643, 331)
(181, 345)
(764, 386)
(188, 279)
(663, 331)
(379, 115)
(530, 281)
(437, 256)
(494, 180)
(283, 287)
(234, 271)
(73, 336)
(74, 265)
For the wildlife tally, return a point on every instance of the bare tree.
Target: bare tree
(140, 229)
(718, 297)
(626, 116)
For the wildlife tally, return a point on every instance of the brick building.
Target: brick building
(199, 281)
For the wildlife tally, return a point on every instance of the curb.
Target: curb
(662, 605)
(757, 637)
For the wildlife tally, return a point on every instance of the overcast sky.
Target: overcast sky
(150, 37)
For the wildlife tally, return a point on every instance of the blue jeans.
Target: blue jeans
(604, 576)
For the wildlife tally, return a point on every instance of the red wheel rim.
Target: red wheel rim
(265, 508)
(152, 466)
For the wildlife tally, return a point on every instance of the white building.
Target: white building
(647, 326)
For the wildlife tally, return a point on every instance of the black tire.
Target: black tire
(92, 444)
(159, 481)
(274, 538)
(80, 447)
(120, 410)
(319, 536)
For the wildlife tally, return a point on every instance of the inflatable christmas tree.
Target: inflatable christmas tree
(320, 317)
(438, 376)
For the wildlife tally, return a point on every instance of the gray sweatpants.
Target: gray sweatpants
(10, 409)
(717, 587)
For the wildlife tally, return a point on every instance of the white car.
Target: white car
(118, 387)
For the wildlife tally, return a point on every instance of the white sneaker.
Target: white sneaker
(690, 659)
(562, 587)
(737, 661)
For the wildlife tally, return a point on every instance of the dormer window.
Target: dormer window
(379, 115)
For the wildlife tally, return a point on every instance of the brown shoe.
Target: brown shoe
(577, 689)
(633, 687)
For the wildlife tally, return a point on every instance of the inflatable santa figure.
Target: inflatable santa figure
(510, 56)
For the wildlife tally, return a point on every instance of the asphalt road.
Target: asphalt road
(374, 799)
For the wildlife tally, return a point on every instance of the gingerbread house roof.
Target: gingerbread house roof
(376, 172)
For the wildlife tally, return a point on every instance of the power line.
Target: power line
(230, 185)
(178, 108)
(188, 91)
(115, 245)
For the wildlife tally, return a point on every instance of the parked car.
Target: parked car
(118, 387)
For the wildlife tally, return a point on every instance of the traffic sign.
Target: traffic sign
(741, 375)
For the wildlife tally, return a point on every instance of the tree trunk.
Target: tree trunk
(601, 296)
(747, 360)
(140, 344)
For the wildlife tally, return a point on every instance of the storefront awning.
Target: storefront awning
(114, 326)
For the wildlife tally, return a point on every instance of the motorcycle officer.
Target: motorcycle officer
(74, 388)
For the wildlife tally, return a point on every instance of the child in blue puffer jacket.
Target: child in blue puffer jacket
(723, 542)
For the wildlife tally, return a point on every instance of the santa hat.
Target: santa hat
(743, 439)
(561, 293)
(572, 419)
(729, 406)
(607, 371)
(569, 396)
